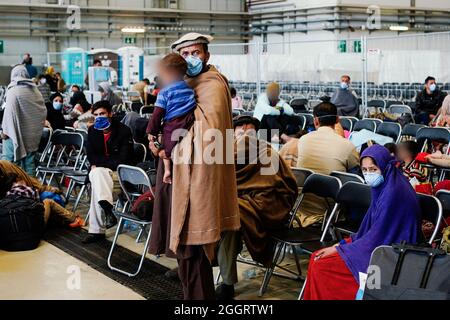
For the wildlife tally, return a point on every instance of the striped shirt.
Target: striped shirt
(177, 99)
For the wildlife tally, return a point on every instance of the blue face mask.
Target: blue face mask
(102, 123)
(344, 85)
(432, 87)
(374, 179)
(195, 66)
(57, 106)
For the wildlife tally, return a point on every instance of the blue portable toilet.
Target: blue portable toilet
(74, 66)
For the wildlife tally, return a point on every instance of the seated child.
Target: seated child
(407, 152)
(174, 108)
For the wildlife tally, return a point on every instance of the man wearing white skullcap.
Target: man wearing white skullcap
(190, 221)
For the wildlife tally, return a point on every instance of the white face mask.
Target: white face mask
(374, 179)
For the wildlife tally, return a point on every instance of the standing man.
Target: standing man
(344, 99)
(28, 62)
(109, 144)
(205, 202)
(428, 101)
(23, 120)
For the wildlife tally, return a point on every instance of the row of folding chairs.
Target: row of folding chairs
(64, 156)
(339, 190)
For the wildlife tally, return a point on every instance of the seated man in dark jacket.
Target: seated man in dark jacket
(109, 144)
(428, 101)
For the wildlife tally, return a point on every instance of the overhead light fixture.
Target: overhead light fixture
(133, 30)
(398, 28)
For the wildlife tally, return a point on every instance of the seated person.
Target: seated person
(428, 101)
(443, 115)
(107, 93)
(236, 101)
(323, 151)
(43, 88)
(392, 147)
(344, 99)
(141, 87)
(109, 144)
(393, 217)
(275, 115)
(16, 181)
(78, 107)
(439, 159)
(267, 191)
(55, 118)
(407, 152)
(289, 151)
(174, 108)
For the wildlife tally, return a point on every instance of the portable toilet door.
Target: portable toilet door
(131, 66)
(74, 66)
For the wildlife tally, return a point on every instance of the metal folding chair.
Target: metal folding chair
(323, 186)
(390, 129)
(347, 177)
(134, 182)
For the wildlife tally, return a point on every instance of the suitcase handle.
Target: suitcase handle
(404, 248)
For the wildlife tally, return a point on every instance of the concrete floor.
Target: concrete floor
(44, 273)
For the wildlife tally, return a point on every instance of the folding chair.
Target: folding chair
(140, 153)
(309, 120)
(313, 103)
(426, 135)
(377, 104)
(401, 110)
(146, 111)
(347, 124)
(368, 124)
(45, 140)
(410, 131)
(444, 199)
(352, 208)
(69, 149)
(134, 182)
(300, 176)
(345, 177)
(431, 209)
(323, 186)
(299, 104)
(390, 129)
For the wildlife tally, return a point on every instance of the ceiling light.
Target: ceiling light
(133, 30)
(398, 28)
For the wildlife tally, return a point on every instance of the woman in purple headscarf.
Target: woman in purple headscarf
(393, 216)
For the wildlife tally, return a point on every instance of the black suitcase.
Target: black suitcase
(21, 223)
(408, 272)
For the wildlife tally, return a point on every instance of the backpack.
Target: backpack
(22, 223)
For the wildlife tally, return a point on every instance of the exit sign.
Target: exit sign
(130, 40)
(1, 46)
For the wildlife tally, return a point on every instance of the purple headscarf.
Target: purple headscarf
(393, 215)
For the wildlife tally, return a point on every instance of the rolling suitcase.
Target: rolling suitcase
(408, 272)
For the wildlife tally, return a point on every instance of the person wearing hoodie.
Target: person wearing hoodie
(54, 112)
(344, 99)
(23, 120)
(108, 94)
(28, 62)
